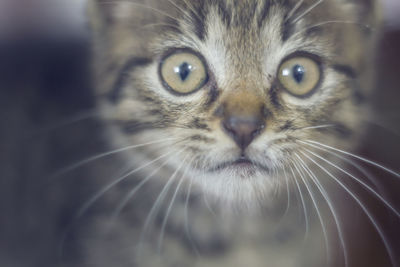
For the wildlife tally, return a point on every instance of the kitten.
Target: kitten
(239, 102)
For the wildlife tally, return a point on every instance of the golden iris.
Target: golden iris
(183, 72)
(299, 75)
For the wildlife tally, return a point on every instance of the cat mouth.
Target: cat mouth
(241, 164)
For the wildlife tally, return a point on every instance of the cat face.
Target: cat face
(231, 92)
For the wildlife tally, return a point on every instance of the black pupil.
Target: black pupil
(298, 73)
(184, 71)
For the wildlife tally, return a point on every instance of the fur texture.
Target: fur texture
(242, 45)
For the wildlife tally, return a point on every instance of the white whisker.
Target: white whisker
(331, 207)
(105, 154)
(384, 126)
(294, 9)
(363, 207)
(303, 204)
(164, 223)
(318, 127)
(308, 10)
(329, 22)
(288, 193)
(186, 215)
(142, 6)
(92, 200)
(355, 156)
(131, 194)
(72, 120)
(105, 189)
(184, 12)
(308, 187)
(387, 204)
(156, 205)
(192, 9)
(208, 206)
(368, 175)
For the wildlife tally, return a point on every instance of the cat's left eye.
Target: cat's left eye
(183, 72)
(299, 75)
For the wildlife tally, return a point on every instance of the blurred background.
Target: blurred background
(45, 99)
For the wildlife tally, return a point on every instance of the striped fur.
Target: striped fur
(243, 43)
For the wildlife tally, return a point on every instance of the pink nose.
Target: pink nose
(243, 130)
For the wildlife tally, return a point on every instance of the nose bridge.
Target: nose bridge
(243, 103)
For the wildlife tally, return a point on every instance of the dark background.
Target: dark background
(45, 96)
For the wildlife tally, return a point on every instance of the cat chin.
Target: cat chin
(247, 188)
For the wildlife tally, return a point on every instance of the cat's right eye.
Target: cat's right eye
(299, 75)
(183, 72)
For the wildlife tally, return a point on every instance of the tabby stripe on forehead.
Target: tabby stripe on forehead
(224, 13)
(287, 30)
(264, 12)
(120, 81)
(199, 21)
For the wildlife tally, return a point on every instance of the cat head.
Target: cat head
(233, 92)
